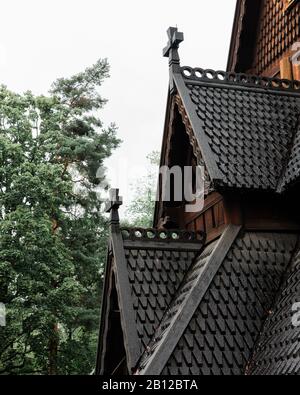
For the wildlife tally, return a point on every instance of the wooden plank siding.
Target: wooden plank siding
(277, 30)
(253, 211)
(211, 220)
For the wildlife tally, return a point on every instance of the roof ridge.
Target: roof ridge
(228, 78)
(176, 321)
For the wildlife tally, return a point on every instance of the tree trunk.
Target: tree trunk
(53, 351)
(54, 338)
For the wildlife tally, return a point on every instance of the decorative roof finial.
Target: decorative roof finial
(171, 50)
(112, 206)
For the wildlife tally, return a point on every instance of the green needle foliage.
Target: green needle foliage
(52, 232)
(140, 211)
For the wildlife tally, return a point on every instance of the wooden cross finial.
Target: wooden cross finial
(114, 202)
(171, 50)
(112, 206)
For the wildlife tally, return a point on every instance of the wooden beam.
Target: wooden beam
(296, 72)
(185, 311)
(286, 68)
(233, 209)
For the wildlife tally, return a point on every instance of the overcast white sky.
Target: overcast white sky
(43, 40)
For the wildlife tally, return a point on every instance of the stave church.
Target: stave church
(217, 292)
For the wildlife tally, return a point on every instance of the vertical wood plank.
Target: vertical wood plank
(200, 223)
(221, 219)
(296, 72)
(286, 68)
(209, 219)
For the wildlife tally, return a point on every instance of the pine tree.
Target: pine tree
(52, 232)
(140, 210)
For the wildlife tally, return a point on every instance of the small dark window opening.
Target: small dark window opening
(115, 355)
(180, 154)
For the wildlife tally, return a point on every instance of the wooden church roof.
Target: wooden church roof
(246, 126)
(190, 309)
(147, 266)
(174, 303)
(215, 319)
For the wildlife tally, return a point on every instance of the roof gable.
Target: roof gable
(187, 307)
(183, 306)
(156, 262)
(145, 268)
(245, 126)
(217, 333)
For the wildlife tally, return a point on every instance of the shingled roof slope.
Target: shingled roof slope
(187, 307)
(278, 350)
(156, 267)
(246, 127)
(148, 267)
(177, 304)
(220, 335)
(292, 170)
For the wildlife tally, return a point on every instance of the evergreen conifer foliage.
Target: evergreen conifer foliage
(52, 231)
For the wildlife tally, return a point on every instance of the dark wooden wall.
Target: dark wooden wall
(278, 30)
(211, 220)
(261, 211)
(254, 211)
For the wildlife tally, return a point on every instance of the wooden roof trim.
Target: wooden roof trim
(193, 141)
(181, 320)
(207, 154)
(196, 76)
(119, 266)
(162, 240)
(128, 320)
(235, 35)
(188, 127)
(116, 262)
(106, 292)
(162, 152)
